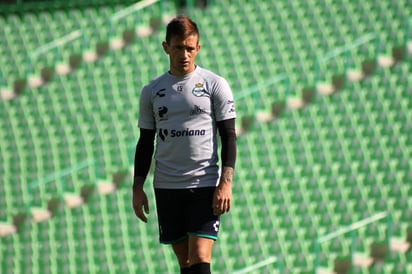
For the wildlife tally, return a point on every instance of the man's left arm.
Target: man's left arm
(223, 194)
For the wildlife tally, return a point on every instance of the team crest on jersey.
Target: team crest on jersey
(200, 91)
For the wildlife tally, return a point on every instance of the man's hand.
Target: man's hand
(140, 201)
(222, 198)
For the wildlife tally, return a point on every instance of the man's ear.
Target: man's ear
(165, 47)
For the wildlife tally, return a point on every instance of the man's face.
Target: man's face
(182, 54)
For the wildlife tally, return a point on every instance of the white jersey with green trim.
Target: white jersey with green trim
(184, 111)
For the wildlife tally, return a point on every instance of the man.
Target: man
(184, 108)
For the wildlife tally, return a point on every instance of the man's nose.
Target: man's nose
(185, 53)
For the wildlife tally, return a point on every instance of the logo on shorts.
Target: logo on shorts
(216, 226)
(200, 91)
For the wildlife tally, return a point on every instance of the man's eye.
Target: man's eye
(189, 49)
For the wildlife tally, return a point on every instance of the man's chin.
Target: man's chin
(185, 70)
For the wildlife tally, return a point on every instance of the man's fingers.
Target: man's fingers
(216, 206)
(146, 207)
(228, 205)
(139, 213)
(138, 210)
(221, 206)
(143, 218)
(140, 203)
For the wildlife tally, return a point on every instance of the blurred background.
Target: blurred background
(323, 91)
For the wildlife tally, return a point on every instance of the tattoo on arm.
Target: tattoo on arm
(227, 174)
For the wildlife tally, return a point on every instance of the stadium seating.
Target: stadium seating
(340, 159)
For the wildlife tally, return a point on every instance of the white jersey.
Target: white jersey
(184, 111)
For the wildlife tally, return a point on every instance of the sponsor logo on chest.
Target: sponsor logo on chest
(176, 133)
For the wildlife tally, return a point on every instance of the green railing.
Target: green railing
(257, 88)
(262, 96)
(129, 14)
(345, 52)
(2, 79)
(76, 41)
(352, 230)
(48, 55)
(22, 6)
(408, 34)
(60, 179)
(255, 267)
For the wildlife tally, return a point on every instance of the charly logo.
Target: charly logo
(200, 91)
(175, 133)
(162, 111)
(216, 226)
(161, 93)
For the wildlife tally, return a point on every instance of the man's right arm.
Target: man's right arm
(142, 161)
(143, 156)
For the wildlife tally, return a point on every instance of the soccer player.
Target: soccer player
(183, 110)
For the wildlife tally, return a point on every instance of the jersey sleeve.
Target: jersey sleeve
(146, 118)
(223, 101)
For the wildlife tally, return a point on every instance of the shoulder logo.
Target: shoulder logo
(232, 106)
(200, 91)
(161, 93)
